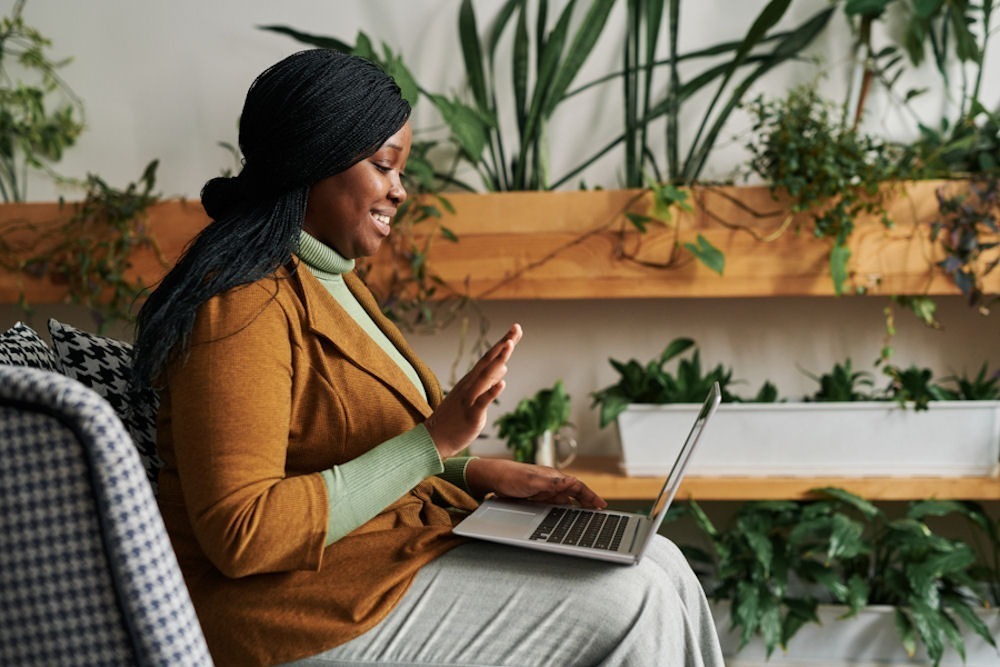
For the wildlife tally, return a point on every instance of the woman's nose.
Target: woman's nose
(397, 193)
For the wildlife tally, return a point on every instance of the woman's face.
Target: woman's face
(351, 211)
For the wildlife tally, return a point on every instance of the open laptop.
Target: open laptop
(621, 537)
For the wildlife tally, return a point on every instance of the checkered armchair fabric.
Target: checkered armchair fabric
(87, 573)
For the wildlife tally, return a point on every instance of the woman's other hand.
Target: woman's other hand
(461, 416)
(529, 482)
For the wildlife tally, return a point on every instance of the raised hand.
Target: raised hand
(461, 416)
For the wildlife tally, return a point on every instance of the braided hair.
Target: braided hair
(312, 115)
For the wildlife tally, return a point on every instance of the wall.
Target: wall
(166, 80)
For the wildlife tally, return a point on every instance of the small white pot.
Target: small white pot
(951, 438)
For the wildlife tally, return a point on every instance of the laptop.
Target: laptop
(620, 537)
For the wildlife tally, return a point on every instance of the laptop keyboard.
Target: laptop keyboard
(583, 528)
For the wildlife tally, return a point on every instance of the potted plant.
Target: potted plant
(536, 428)
(912, 427)
(882, 588)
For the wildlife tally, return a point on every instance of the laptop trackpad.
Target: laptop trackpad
(507, 517)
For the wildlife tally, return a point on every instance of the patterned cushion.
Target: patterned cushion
(22, 346)
(104, 364)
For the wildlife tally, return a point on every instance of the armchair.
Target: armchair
(87, 573)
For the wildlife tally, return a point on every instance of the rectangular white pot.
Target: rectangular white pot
(952, 438)
(868, 638)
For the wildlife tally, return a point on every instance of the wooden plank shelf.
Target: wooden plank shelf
(580, 245)
(575, 245)
(602, 475)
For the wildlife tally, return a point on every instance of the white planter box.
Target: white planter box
(869, 638)
(952, 438)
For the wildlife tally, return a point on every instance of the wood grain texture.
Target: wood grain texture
(602, 475)
(578, 245)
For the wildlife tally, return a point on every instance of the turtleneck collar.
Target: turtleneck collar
(321, 258)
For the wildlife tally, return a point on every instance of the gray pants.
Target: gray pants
(488, 604)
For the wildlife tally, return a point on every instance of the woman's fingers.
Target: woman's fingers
(462, 414)
(566, 489)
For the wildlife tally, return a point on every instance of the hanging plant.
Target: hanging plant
(968, 230)
(90, 253)
(831, 172)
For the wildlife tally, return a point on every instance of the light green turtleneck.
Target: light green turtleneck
(361, 488)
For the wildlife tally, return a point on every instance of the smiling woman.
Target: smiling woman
(361, 200)
(311, 474)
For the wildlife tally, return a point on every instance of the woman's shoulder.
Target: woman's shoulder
(273, 299)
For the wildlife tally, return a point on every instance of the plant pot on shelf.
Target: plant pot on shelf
(868, 638)
(879, 439)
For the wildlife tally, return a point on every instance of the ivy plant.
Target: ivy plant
(90, 252)
(830, 171)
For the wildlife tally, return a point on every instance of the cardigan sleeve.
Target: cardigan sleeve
(362, 487)
(230, 423)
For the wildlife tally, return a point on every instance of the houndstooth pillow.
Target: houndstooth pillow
(22, 346)
(104, 365)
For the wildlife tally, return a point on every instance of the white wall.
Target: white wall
(166, 80)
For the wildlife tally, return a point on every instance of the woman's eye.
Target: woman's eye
(382, 168)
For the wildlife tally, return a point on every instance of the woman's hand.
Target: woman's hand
(461, 416)
(530, 482)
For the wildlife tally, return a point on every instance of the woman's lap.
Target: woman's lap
(489, 604)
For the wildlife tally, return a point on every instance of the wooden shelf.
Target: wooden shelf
(576, 245)
(173, 223)
(602, 475)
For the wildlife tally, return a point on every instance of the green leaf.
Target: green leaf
(968, 616)
(475, 73)
(466, 125)
(868, 8)
(702, 520)
(867, 509)
(675, 347)
(666, 196)
(709, 255)
(307, 38)
(579, 50)
(838, 266)
(907, 633)
(639, 220)
(771, 629)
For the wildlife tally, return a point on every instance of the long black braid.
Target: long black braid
(312, 115)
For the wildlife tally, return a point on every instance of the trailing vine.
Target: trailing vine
(829, 170)
(90, 252)
(967, 221)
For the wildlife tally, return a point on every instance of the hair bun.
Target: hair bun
(221, 195)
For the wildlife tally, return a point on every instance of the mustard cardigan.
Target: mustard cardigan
(278, 384)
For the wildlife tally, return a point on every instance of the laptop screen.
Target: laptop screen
(659, 507)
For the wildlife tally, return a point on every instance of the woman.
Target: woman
(310, 476)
